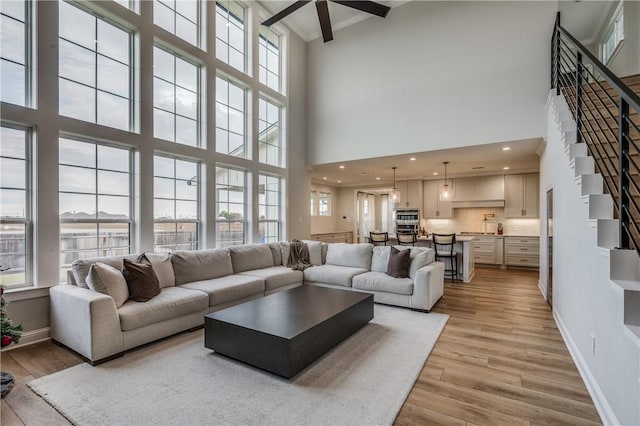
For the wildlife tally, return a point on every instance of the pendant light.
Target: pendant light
(445, 192)
(395, 194)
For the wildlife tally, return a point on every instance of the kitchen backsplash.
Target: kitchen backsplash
(472, 220)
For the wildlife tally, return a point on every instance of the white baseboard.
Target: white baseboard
(605, 411)
(31, 337)
(544, 294)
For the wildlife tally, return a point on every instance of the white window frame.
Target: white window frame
(28, 53)
(263, 135)
(615, 30)
(27, 219)
(279, 220)
(245, 218)
(226, 44)
(313, 197)
(324, 195)
(245, 145)
(199, 22)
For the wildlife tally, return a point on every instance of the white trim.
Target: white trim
(25, 293)
(31, 337)
(542, 290)
(605, 411)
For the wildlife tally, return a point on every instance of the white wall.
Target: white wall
(324, 224)
(585, 301)
(432, 75)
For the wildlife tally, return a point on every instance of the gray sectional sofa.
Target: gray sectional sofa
(195, 283)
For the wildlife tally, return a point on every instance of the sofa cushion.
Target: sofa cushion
(141, 280)
(108, 280)
(420, 256)
(276, 276)
(315, 252)
(199, 265)
(250, 256)
(80, 267)
(276, 253)
(227, 289)
(163, 268)
(398, 263)
(332, 274)
(285, 248)
(351, 255)
(379, 281)
(171, 303)
(323, 250)
(380, 258)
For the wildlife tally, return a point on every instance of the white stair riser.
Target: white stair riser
(600, 206)
(608, 233)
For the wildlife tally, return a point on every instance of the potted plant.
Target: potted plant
(9, 333)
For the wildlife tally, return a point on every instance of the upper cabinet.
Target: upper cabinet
(433, 206)
(522, 195)
(410, 194)
(480, 188)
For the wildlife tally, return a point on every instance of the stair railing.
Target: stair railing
(602, 107)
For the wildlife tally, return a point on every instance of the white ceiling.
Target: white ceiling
(585, 19)
(520, 158)
(304, 21)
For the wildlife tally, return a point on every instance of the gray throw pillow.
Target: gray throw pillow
(398, 263)
(108, 280)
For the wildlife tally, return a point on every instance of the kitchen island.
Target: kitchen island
(464, 248)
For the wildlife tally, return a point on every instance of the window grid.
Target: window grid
(95, 201)
(269, 195)
(230, 118)
(176, 204)
(231, 34)
(614, 36)
(104, 95)
(324, 204)
(312, 199)
(269, 58)
(15, 208)
(269, 134)
(176, 98)
(15, 52)
(182, 19)
(231, 205)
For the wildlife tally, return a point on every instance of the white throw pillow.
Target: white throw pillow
(161, 264)
(380, 258)
(108, 280)
(315, 252)
(419, 258)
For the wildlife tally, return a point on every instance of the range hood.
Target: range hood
(470, 204)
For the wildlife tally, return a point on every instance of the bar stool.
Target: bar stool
(443, 245)
(378, 238)
(407, 238)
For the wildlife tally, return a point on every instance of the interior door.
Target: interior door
(550, 246)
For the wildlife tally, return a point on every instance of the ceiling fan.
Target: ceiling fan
(322, 8)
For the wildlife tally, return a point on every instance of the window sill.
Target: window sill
(25, 293)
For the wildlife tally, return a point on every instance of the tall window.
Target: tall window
(230, 33)
(129, 4)
(15, 208)
(176, 98)
(269, 210)
(231, 205)
(324, 204)
(614, 36)
(179, 17)
(230, 118)
(95, 69)
(176, 204)
(269, 58)
(95, 201)
(14, 51)
(269, 136)
(312, 199)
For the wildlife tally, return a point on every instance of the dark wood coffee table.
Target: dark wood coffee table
(285, 332)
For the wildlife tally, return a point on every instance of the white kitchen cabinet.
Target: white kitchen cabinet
(480, 188)
(410, 194)
(522, 251)
(521, 195)
(488, 249)
(433, 207)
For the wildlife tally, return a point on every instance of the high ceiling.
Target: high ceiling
(585, 19)
(304, 21)
(468, 161)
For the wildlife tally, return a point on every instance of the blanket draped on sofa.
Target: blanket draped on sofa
(298, 256)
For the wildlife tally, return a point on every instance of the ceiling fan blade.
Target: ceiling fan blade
(284, 12)
(325, 22)
(366, 6)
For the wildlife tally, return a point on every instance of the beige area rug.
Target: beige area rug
(363, 381)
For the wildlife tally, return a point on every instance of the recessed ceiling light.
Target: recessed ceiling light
(412, 159)
(435, 173)
(342, 166)
(506, 148)
(364, 173)
(505, 168)
(477, 168)
(324, 178)
(339, 181)
(378, 178)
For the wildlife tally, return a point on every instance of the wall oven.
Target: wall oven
(407, 220)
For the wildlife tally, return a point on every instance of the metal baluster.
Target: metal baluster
(579, 98)
(623, 188)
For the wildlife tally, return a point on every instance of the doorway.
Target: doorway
(550, 247)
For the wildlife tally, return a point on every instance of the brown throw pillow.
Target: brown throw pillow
(141, 280)
(398, 263)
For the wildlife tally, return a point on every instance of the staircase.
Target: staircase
(598, 115)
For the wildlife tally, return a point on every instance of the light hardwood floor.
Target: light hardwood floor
(500, 360)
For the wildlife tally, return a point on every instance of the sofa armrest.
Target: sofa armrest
(428, 287)
(85, 321)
